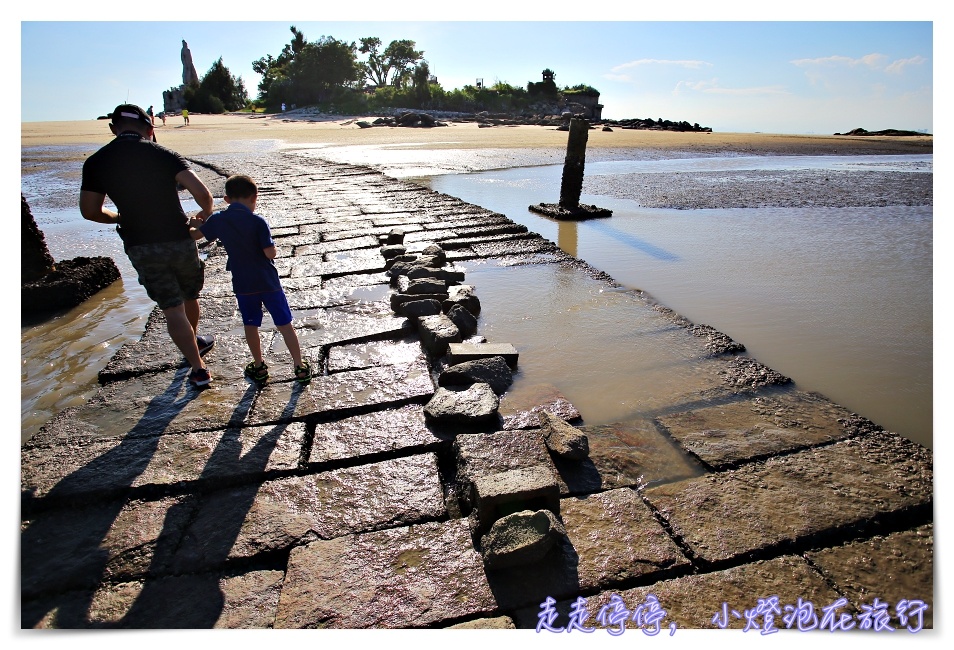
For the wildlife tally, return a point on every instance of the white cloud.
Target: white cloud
(870, 60)
(898, 66)
(712, 87)
(695, 65)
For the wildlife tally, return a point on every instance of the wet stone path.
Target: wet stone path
(342, 504)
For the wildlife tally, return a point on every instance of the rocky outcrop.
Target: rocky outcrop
(47, 287)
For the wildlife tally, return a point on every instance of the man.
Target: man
(141, 178)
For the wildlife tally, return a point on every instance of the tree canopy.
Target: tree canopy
(397, 61)
(218, 91)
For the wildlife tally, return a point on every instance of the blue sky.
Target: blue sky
(774, 75)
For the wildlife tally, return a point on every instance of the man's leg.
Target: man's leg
(192, 313)
(182, 334)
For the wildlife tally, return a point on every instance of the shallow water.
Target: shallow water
(839, 299)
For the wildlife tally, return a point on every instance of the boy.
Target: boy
(248, 242)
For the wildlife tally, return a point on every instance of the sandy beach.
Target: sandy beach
(214, 134)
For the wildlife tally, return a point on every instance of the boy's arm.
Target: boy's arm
(195, 228)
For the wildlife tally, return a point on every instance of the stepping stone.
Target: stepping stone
(529, 488)
(460, 352)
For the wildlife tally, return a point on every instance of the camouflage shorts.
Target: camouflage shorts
(170, 271)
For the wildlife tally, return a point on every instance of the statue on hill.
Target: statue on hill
(189, 76)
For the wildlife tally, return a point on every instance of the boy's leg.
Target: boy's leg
(254, 344)
(291, 341)
(277, 306)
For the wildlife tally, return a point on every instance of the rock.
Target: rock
(71, 283)
(497, 623)
(563, 439)
(463, 319)
(493, 371)
(437, 332)
(475, 404)
(463, 295)
(364, 125)
(419, 308)
(525, 488)
(449, 277)
(398, 299)
(421, 286)
(436, 252)
(35, 258)
(396, 236)
(521, 538)
(392, 251)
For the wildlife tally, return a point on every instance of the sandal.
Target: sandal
(256, 373)
(303, 372)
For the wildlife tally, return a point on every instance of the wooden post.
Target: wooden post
(572, 184)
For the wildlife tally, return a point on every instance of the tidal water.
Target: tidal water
(839, 299)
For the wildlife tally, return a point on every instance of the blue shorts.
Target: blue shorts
(250, 305)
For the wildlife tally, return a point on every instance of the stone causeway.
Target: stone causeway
(347, 503)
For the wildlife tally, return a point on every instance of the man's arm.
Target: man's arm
(197, 189)
(93, 208)
(270, 252)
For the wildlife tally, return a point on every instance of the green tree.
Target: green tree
(396, 62)
(219, 91)
(320, 70)
(421, 84)
(274, 86)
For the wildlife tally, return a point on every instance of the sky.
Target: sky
(771, 75)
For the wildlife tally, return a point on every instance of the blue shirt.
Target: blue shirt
(244, 235)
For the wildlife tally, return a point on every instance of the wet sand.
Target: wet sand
(222, 134)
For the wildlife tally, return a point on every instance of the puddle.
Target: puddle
(373, 293)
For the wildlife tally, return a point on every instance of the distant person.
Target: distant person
(152, 118)
(251, 249)
(162, 116)
(283, 107)
(141, 178)
(185, 116)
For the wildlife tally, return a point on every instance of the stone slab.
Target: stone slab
(416, 576)
(150, 405)
(245, 521)
(793, 498)
(115, 465)
(350, 323)
(358, 356)
(245, 601)
(460, 352)
(890, 567)
(724, 435)
(514, 247)
(492, 453)
(378, 387)
(691, 601)
(306, 246)
(373, 433)
(78, 547)
(617, 539)
(631, 453)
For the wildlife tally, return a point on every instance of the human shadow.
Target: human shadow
(61, 553)
(192, 597)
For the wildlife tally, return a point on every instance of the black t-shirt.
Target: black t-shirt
(139, 176)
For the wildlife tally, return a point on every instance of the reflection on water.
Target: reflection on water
(839, 299)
